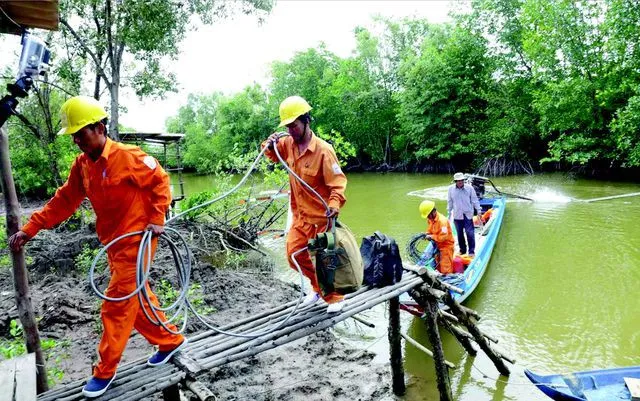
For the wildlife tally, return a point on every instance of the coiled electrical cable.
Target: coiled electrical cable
(183, 260)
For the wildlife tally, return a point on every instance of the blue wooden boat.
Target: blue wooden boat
(593, 385)
(486, 238)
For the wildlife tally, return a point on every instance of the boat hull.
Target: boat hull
(485, 242)
(593, 385)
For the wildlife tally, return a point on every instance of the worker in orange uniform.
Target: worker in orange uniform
(439, 230)
(129, 191)
(315, 161)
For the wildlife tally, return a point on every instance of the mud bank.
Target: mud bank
(319, 367)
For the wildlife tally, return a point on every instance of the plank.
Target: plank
(7, 377)
(26, 378)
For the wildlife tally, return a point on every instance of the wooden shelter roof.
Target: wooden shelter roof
(28, 14)
(152, 137)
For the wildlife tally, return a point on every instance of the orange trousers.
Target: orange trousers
(119, 318)
(444, 260)
(299, 233)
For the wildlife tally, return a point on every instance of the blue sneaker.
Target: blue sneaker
(95, 387)
(162, 357)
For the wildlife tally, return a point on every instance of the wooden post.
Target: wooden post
(478, 337)
(200, 390)
(462, 339)
(20, 278)
(395, 347)
(171, 393)
(442, 372)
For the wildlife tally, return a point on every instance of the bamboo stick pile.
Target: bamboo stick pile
(431, 296)
(208, 350)
(134, 381)
(214, 350)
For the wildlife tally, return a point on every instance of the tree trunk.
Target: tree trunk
(387, 148)
(115, 93)
(96, 87)
(20, 279)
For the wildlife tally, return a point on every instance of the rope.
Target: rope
(183, 259)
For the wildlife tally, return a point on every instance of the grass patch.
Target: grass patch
(54, 351)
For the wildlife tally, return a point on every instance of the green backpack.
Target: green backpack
(339, 264)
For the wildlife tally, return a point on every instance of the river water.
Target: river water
(560, 293)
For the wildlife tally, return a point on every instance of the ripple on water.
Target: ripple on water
(433, 193)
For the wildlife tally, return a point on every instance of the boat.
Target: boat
(486, 237)
(593, 385)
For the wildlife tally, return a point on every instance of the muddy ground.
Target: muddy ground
(319, 367)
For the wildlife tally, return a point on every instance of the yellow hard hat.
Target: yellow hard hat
(426, 207)
(78, 112)
(292, 108)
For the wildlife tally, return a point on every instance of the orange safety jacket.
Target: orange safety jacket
(318, 166)
(440, 230)
(128, 190)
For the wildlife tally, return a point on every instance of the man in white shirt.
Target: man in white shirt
(461, 200)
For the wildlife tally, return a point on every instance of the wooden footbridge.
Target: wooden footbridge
(208, 350)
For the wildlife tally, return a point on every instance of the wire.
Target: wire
(183, 259)
(55, 86)
(10, 19)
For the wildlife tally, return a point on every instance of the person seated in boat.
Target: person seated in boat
(479, 221)
(439, 230)
(461, 202)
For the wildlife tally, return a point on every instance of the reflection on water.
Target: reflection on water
(560, 292)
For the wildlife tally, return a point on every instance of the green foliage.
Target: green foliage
(3, 231)
(85, 258)
(54, 350)
(344, 149)
(532, 80)
(80, 218)
(626, 133)
(40, 160)
(168, 295)
(5, 261)
(218, 127)
(195, 200)
(444, 102)
(144, 33)
(527, 80)
(14, 345)
(576, 64)
(234, 260)
(305, 75)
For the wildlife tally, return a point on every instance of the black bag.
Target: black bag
(382, 262)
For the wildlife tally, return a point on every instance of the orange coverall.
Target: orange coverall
(318, 166)
(439, 229)
(128, 190)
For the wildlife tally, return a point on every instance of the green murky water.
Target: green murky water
(560, 293)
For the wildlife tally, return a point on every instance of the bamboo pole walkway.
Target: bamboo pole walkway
(208, 350)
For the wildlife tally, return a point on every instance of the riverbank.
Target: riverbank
(319, 367)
